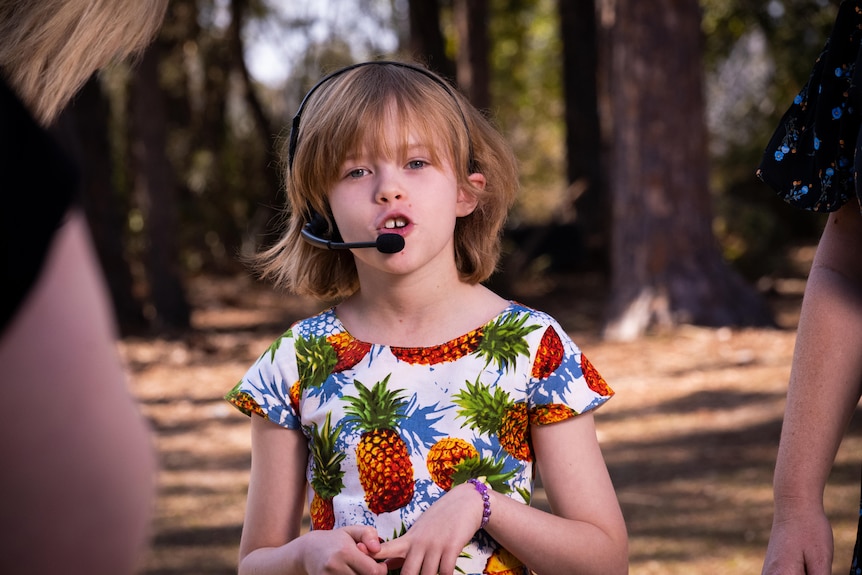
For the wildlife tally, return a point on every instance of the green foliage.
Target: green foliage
(526, 89)
(757, 56)
(221, 160)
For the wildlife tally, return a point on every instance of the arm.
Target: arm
(80, 467)
(585, 509)
(586, 514)
(271, 541)
(823, 392)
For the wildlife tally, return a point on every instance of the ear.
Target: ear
(467, 200)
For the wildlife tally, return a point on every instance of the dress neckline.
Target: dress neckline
(340, 327)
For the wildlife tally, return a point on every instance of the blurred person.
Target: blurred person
(812, 162)
(78, 470)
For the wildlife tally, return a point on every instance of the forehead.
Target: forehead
(392, 132)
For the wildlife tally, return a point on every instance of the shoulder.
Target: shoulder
(542, 322)
(322, 324)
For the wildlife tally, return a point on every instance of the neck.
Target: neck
(417, 313)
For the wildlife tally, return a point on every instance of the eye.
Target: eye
(356, 173)
(416, 164)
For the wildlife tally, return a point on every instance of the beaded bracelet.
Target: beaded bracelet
(486, 500)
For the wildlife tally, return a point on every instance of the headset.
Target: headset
(312, 232)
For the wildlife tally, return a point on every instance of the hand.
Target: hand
(433, 543)
(346, 550)
(800, 544)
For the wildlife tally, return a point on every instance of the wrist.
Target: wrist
(795, 503)
(483, 491)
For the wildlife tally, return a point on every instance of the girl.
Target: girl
(410, 414)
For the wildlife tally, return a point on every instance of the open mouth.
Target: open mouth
(395, 223)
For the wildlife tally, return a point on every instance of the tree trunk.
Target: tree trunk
(265, 212)
(106, 209)
(427, 44)
(667, 268)
(584, 149)
(156, 188)
(474, 74)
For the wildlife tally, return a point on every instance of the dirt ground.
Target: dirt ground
(690, 438)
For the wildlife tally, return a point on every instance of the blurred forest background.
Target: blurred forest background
(639, 126)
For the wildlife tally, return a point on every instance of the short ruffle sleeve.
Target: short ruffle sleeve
(810, 159)
(269, 387)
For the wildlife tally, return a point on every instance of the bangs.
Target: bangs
(414, 129)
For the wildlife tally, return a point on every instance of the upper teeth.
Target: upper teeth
(395, 223)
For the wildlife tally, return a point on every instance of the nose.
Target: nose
(388, 187)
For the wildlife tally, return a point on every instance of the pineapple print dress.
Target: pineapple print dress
(391, 429)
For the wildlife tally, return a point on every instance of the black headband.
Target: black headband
(294, 127)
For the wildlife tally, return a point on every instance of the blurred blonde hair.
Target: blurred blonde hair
(49, 48)
(347, 114)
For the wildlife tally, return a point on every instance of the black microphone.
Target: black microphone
(385, 243)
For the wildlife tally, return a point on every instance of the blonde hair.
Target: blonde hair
(346, 114)
(49, 48)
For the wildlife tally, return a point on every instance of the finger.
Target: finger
(365, 565)
(394, 548)
(370, 541)
(362, 533)
(447, 564)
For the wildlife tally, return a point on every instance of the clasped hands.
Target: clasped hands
(431, 546)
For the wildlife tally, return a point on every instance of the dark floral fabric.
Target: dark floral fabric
(811, 158)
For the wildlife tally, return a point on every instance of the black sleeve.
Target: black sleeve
(810, 160)
(38, 184)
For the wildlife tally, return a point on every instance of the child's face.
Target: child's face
(404, 192)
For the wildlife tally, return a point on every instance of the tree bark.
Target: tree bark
(473, 67)
(427, 44)
(584, 141)
(667, 268)
(265, 212)
(156, 188)
(106, 209)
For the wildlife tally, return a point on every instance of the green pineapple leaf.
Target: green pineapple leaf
(491, 471)
(376, 407)
(504, 339)
(276, 344)
(315, 359)
(483, 410)
(327, 475)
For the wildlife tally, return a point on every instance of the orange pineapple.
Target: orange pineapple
(496, 413)
(444, 456)
(501, 562)
(348, 350)
(326, 474)
(243, 401)
(595, 381)
(385, 469)
(551, 413)
(549, 355)
(294, 394)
